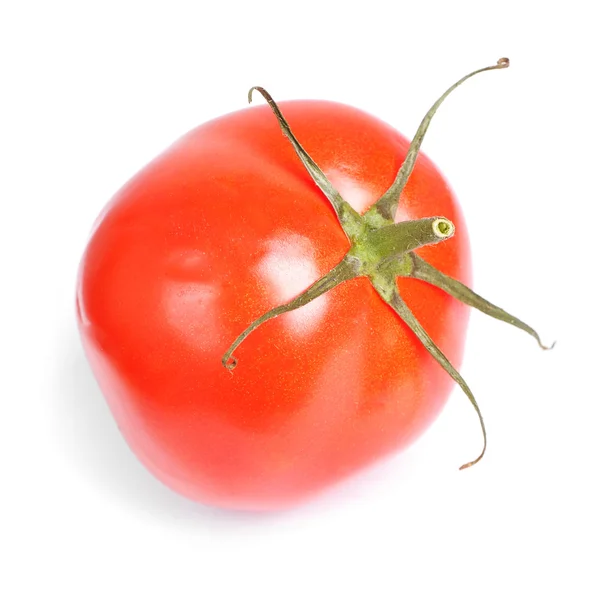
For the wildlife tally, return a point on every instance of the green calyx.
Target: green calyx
(382, 250)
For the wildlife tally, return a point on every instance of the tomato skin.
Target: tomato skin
(223, 226)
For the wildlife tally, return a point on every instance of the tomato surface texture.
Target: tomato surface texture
(223, 226)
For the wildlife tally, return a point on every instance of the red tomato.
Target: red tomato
(223, 226)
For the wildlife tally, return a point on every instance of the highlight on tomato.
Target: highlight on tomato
(267, 314)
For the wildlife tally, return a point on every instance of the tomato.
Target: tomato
(223, 226)
(325, 260)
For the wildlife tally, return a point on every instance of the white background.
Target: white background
(92, 91)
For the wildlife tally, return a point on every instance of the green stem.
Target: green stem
(384, 250)
(385, 208)
(399, 238)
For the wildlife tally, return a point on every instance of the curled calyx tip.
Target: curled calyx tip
(250, 93)
(469, 464)
(443, 228)
(503, 63)
(229, 362)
